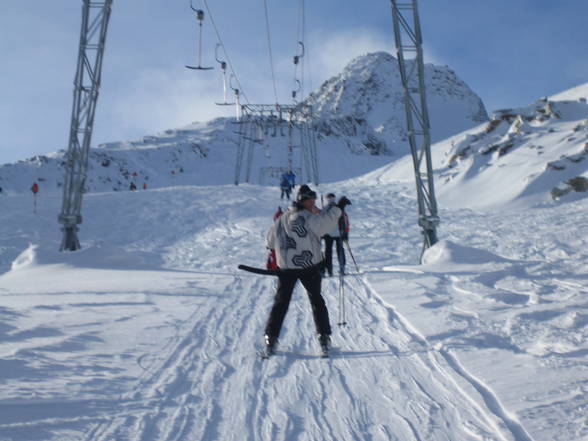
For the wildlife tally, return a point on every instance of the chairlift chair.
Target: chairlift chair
(199, 19)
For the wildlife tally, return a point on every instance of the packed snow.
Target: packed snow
(150, 332)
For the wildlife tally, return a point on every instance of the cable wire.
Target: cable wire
(302, 26)
(241, 90)
(269, 44)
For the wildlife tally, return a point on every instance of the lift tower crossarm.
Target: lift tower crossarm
(408, 38)
(95, 16)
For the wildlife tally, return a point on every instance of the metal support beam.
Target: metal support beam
(408, 37)
(95, 16)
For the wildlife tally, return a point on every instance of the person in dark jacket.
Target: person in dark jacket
(338, 235)
(296, 237)
(285, 187)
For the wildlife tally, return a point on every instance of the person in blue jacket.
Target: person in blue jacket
(291, 179)
(285, 187)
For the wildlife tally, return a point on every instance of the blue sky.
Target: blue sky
(510, 52)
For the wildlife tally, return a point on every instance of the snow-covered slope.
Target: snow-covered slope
(530, 155)
(360, 121)
(149, 333)
(200, 154)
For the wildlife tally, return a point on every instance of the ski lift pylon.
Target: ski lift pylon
(199, 19)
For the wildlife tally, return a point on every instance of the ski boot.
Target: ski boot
(325, 342)
(270, 347)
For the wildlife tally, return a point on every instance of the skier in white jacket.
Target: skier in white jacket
(296, 237)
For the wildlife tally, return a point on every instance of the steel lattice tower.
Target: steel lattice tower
(408, 37)
(299, 122)
(95, 16)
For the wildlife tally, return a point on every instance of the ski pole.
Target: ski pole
(342, 321)
(351, 254)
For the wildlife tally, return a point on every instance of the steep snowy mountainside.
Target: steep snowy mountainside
(360, 121)
(525, 156)
(199, 154)
(577, 93)
(363, 104)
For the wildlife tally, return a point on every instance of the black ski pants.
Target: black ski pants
(311, 280)
(329, 253)
(285, 191)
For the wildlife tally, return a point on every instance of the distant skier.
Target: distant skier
(338, 235)
(132, 187)
(291, 179)
(285, 187)
(35, 190)
(296, 237)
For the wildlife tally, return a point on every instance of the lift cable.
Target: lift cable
(269, 44)
(301, 38)
(222, 45)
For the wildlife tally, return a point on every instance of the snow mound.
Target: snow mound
(26, 259)
(95, 256)
(448, 253)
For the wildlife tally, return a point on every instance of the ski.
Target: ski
(264, 354)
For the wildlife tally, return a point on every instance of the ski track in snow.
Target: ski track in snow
(204, 378)
(410, 376)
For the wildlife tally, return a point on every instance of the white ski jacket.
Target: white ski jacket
(296, 236)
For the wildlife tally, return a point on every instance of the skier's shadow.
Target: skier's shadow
(364, 354)
(335, 354)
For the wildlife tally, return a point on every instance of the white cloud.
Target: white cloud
(160, 99)
(332, 52)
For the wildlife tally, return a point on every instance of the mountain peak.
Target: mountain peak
(366, 101)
